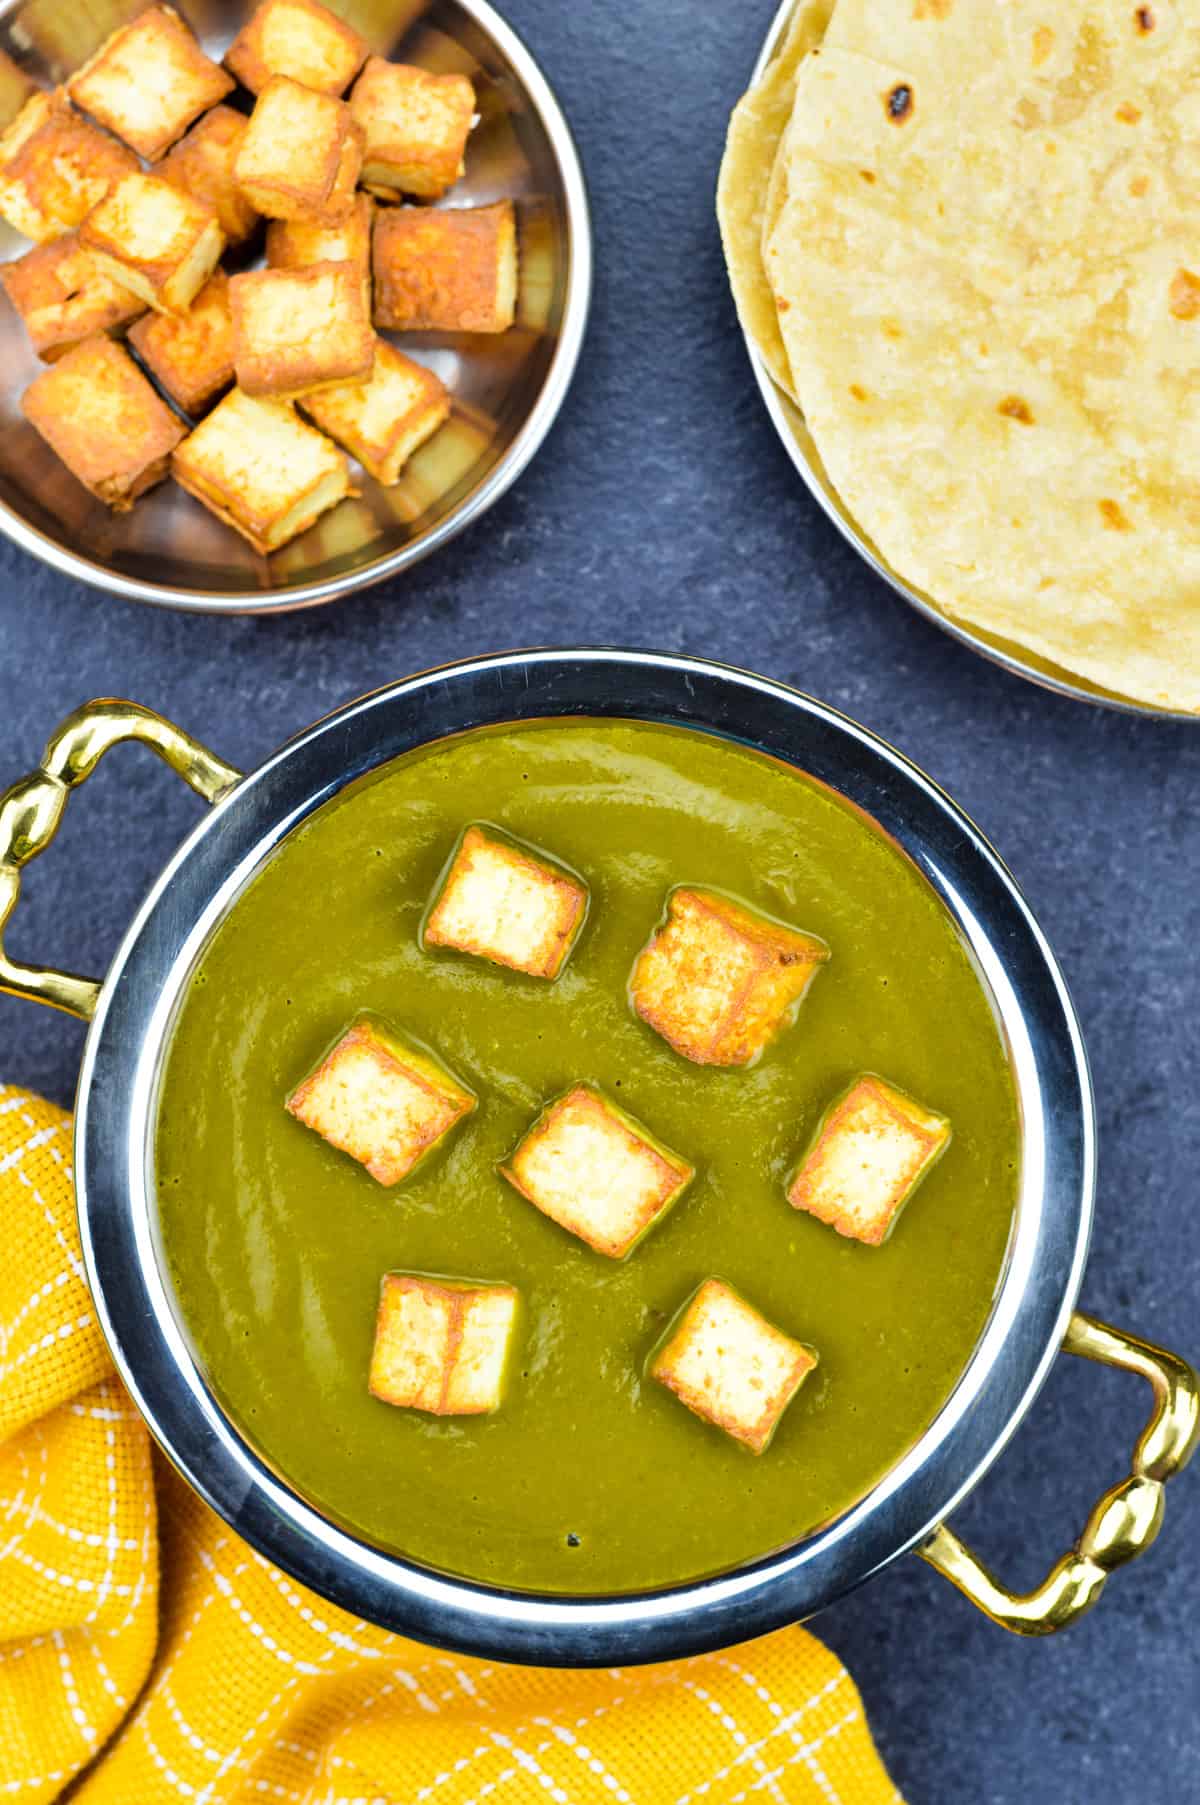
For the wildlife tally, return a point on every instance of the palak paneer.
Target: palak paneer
(584, 1222)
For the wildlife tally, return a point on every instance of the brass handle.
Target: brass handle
(31, 812)
(1127, 1518)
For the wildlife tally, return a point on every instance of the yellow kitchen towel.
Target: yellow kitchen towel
(148, 1651)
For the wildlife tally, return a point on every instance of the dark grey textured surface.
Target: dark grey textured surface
(662, 512)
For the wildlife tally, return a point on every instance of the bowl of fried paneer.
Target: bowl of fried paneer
(291, 292)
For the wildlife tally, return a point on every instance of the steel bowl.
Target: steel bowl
(507, 388)
(1033, 1317)
(788, 421)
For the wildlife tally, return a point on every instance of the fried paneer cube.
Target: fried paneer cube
(157, 240)
(148, 81)
(380, 1099)
(871, 1151)
(190, 354)
(500, 900)
(63, 296)
(300, 39)
(297, 243)
(202, 165)
(384, 420)
(105, 421)
(55, 167)
(292, 161)
(417, 125)
(342, 195)
(446, 271)
(442, 1345)
(597, 1172)
(258, 467)
(719, 981)
(299, 330)
(731, 1366)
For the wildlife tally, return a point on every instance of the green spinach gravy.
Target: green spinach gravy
(591, 1476)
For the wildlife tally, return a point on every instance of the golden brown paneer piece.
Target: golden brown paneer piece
(501, 900)
(55, 167)
(297, 152)
(345, 190)
(105, 421)
(384, 420)
(442, 1345)
(202, 165)
(256, 465)
(380, 1099)
(446, 271)
(63, 296)
(295, 331)
(148, 81)
(155, 239)
(297, 243)
(597, 1172)
(190, 354)
(417, 125)
(15, 88)
(871, 1151)
(300, 39)
(731, 1366)
(719, 981)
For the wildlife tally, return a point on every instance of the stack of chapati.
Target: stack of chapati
(965, 236)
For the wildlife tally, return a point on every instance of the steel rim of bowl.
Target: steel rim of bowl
(822, 491)
(524, 447)
(118, 1095)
